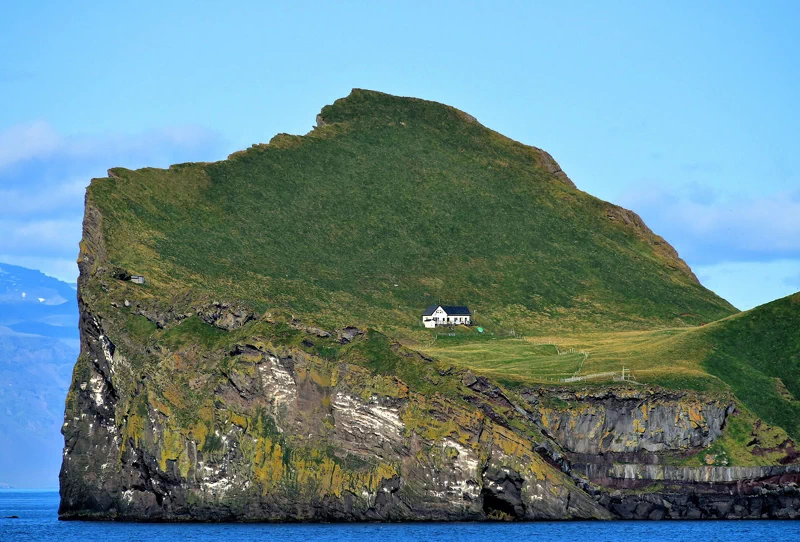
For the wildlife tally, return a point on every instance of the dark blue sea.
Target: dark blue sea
(38, 521)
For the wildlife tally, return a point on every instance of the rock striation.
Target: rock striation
(630, 420)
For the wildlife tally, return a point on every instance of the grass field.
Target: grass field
(508, 359)
(668, 357)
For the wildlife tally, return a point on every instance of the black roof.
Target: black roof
(456, 310)
(451, 310)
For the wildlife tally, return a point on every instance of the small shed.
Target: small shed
(138, 279)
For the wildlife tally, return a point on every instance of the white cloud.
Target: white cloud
(25, 141)
(749, 284)
(747, 249)
(44, 199)
(61, 268)
(153, 144)
(707, 228)
(45, 237)
(43, 176)
(38, 140)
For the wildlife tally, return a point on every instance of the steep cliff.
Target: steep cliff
(265, 370)
(267, 432)
(269, 421)
(631, 420)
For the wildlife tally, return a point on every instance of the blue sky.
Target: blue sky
(685, 112)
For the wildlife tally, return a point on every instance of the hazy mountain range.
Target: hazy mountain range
(38, 347)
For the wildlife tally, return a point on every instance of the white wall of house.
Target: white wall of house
(441, 318)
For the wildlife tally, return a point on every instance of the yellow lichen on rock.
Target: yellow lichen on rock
(133, 430)
(696, 416)
(171, 447)
(268, 466)
(237, 419)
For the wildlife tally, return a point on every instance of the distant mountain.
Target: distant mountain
(34, 303)
(38, 346)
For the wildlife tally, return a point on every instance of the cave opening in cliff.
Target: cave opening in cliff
(498, 506)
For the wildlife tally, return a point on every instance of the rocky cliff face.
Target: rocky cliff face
(630, 420)
(280, 434)
(286, 436)
(226, 416)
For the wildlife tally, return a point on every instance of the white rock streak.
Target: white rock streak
(96, 385)
(356, 416)
(278, 383)
(465, 469)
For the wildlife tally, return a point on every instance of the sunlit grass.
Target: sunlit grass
(668, 357)
(505, 359)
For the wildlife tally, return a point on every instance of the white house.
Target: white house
(441, 315)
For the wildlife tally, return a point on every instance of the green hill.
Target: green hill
(757, 353)
(388, 205)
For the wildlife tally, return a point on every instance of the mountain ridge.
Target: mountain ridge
(38, 346)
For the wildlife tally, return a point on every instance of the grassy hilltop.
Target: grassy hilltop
(391, 204)
(757, 353)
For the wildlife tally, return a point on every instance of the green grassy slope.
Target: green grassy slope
(665, 357)
(509, 359)
(392, 204)
(757, 353)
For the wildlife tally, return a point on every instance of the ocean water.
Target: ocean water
(38, 521)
